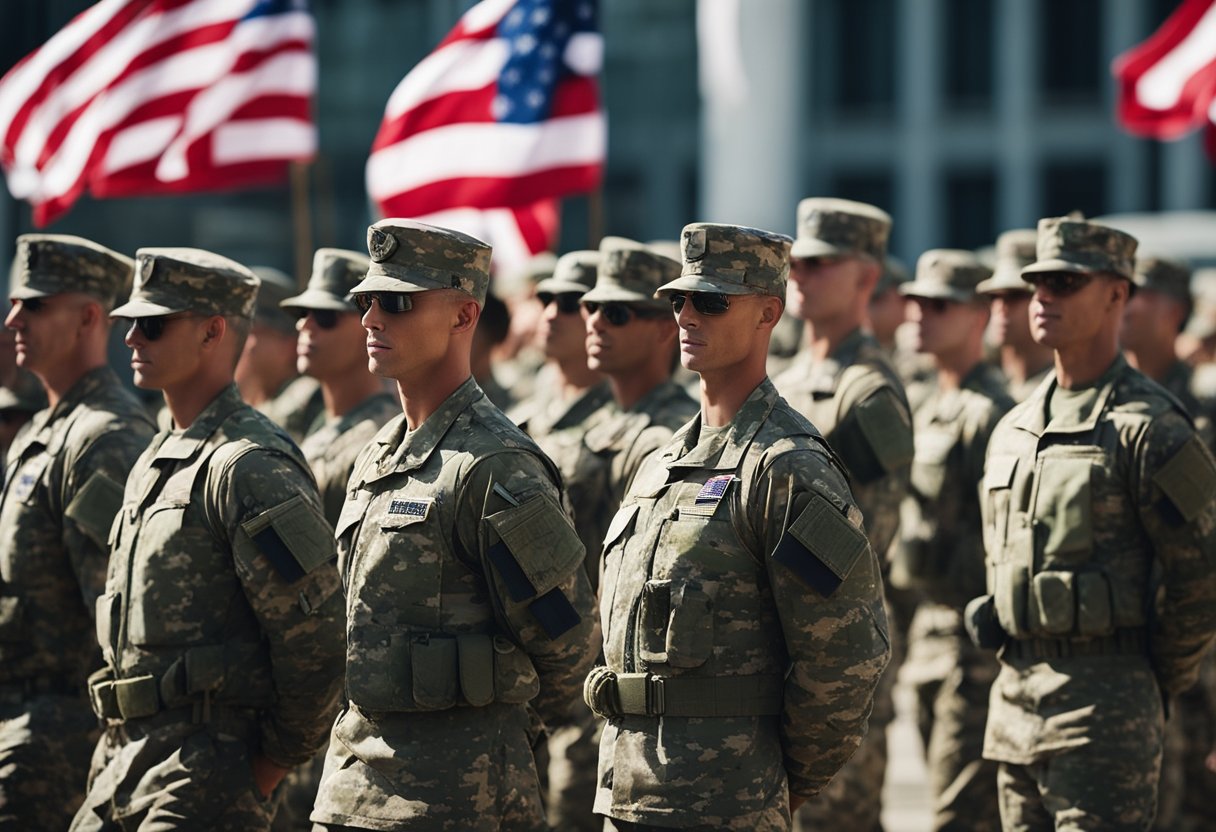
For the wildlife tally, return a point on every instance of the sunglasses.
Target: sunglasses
(1060, 284)
(619, 314)
(391, 303)
(33, 305)
(706, 303)
(937, 306)
(323, 318)
(153, 327)
(567, 302)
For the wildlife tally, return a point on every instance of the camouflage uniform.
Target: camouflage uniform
(613, 449)
(855, 398)
(18, 403)
(298, 406)
(941, 555)
(744, 631)
(1091, 497)
(1014, 251)
(466, 597)
(63, 487)
(220, 621)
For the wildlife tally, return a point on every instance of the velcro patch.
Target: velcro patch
(94, 506)
(293, 536)
(821, 546)
(412, 510)
(1189, 478)
(554, 612)
(713, 490)
(540, 541)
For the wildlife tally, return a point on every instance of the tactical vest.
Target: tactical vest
(421, 628)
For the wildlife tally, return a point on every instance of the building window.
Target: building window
(1074, 186)
(968, 38)
(970, 207)
(874, 187)
(855, 47)
(1071, 68)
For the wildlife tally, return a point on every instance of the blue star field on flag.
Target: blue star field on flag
(537, 31)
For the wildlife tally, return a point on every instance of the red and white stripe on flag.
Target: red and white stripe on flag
(1167, 85)
(490, 129)
(138, 97)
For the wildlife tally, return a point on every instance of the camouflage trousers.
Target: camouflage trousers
(44, 761)
(952, 690)
(164, 773)
(574, 751)
(1185, 802)
(853, 799)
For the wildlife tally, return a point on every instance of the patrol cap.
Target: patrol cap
(732, 259)
(1015, 250)
(894, 274)
(947, 274)
(1166, 275)
(574, 273)
(169, 280)
(1070, 244)
(411, 256)
(25, 396)
(47, 264)
(335, 271)
(276, 287)
(830, 227)
(522, 280)
(631, 272)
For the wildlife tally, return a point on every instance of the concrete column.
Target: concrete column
(918, 196)
(1183, 174)
(1018, 196)
(1123, 28)
(750, 172)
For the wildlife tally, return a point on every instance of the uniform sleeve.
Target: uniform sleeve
(92, 496)
(509, 514)
(826, 586)
(1177, 503)
(882, 429)
(283, 550)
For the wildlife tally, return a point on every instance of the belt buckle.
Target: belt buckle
(656, 696)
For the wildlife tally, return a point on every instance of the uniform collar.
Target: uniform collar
(403, 450)
(1033, 417)
(723, 450)
(183, 445)
(41, 426)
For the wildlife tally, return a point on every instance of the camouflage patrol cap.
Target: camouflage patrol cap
(1166, 275)
(512, 283)
(1015, 250)
(335, 272)
(630, 272)
(411, 256)
(894, 274)
(1068, 244)
(169, 280)
(276, 287)
(47, 264)
(947, 274)
(840, 227)
(574, 273)
(732, 259)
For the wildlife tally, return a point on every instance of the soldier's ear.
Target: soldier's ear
(770, 312)
(467, 315)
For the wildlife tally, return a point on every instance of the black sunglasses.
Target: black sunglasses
(323, 318)
(567, 302)
(706, 303)
(618, 313)
(1060, 283)
(153, 326)
(391, 303)
(935, 305)
(32, 305)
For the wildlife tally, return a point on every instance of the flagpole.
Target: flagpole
(301, 222)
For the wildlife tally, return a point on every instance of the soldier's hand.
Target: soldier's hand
(267, 774)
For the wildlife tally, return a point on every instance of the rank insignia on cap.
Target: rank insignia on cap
(380, 244)
(715, 487)
(415, 510)
(694, 244)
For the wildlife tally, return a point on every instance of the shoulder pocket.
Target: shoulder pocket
(821, 546)
(94, 506)
(1189, 479)
(293, 536)
(542, 545)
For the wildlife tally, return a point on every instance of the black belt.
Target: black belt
(612, 694)
(1126, 642)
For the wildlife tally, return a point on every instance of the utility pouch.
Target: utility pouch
(654, 614)
(1054, 602)
(1094, 613)
(1011, 597)
(515, 679)
(690, 631)
(434, 673)
(476, 656)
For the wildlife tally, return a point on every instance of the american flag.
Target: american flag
(503, 118)
(140, 97)
(1167, 85)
